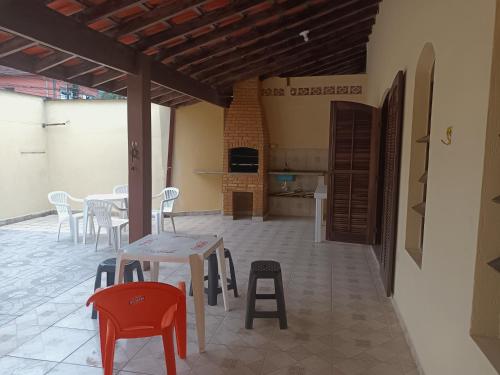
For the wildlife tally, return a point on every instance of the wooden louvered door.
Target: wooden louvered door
(392, 155)
(352, 172)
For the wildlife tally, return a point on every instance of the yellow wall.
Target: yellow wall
(435, 301)
(299, 122)
(198, 145)
(90, 155)
(303, 121)
(24, 177)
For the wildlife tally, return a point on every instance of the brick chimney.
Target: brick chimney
(245, 193)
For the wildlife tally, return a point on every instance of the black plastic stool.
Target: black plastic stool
(265, 269)
(213, 278)
(109, 266)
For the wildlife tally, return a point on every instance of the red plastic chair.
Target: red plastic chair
(141, 309)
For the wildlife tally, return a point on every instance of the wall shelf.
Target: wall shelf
(297, 173)
(423, 178)
(496, 199)
(299, 194)
(420, 208)
(495, 264)
(424, 139)
(208, 172)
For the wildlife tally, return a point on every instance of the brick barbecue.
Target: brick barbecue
(245, 193)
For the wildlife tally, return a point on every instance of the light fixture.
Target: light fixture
(304, 34)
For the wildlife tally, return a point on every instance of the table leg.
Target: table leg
(196, 264)
(85, 221)
(120, 268)
(318, 220)
(223, 274)
(155, 271)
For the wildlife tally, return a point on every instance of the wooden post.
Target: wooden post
(170, 151)
(139, 150)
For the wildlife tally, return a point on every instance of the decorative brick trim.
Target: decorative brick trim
(316, 90)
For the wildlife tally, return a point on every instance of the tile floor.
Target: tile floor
(339, 321)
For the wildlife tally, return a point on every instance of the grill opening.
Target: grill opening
(243, 160)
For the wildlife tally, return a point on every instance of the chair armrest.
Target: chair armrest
(79, 200)
(164, 201)
(157, 195)
(118, 208)
(62, 204)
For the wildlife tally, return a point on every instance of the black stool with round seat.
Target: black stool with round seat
(265, 269)
(109, 267)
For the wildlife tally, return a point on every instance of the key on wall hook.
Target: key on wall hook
(449, 133)
(134, 153)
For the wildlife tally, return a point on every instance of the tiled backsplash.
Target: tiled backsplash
(295, 160)
(299, 159)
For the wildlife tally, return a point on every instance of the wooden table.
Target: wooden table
(100, 197)
(188, 249)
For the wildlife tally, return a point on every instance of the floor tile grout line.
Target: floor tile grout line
(379, 295)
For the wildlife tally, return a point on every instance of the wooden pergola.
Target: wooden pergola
(179, 52)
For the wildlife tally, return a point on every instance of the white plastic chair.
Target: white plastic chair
(102, 212)
(169, 196)
(122, 189)
(64, 212)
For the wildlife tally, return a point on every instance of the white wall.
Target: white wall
(435, 301)
(24, 177)
(87, 156)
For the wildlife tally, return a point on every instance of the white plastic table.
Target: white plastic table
(104, 197)
(173, 248)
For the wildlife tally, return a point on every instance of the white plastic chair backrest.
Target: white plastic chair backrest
(101, 211)
(120, 189)
(170, 194)
(60, 200)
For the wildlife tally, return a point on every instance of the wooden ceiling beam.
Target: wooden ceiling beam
(361, 61)
(27, 63)
(158, 14)
(105, 9)
(309, 60)
(286, 27)
(222, 33)
(55, 59)
(277, 65)
(349, 70)
(355, 61)
(108, 76)
(302, 71)
(160, 92)
(15, 45)
(176, 102)
(35, 21)
(281, 45)
(118, 86)
(215, 17)
(325, 41)
(81, 69)
(168, 97)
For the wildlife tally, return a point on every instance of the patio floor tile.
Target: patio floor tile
(340, 322)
